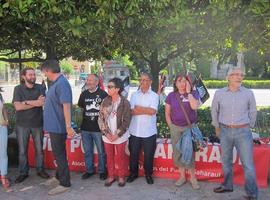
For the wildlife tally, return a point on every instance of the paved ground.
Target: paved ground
(94, 189)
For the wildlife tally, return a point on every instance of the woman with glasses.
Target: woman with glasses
(114, 119)
(3, 143)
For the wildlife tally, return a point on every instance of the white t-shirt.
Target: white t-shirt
(112, 123)
(144, 125)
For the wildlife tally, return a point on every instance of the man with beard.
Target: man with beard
(28, 100)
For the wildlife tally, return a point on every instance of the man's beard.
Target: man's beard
(31, 81)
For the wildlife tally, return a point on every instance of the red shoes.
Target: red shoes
(5, 182)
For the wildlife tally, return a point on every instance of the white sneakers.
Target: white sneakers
(181, 181)
(194, 184)
(58, 190)
(50, 182)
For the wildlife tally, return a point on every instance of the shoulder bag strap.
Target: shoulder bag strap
(183, 109)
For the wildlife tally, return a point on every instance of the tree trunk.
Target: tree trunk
(50, 53)
(155, 68)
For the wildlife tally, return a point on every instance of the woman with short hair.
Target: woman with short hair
(114, 119)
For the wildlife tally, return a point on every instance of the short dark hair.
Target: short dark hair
(118, 83)
(181, 75)
(95, 75)
(24, 70)
(52, 65)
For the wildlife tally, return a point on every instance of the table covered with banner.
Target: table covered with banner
(207, 161)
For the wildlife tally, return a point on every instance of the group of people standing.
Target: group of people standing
(110, 121)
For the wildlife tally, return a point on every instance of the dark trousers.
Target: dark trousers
(23, 135)
(58, 142)
(149, 146)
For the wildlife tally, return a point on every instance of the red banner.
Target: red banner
(208, 162)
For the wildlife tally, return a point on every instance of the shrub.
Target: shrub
(255, 84)
(204, 122)
(204, 115)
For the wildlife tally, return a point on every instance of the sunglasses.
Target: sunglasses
(110, 86)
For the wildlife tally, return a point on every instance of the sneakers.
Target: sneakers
(51, 181)
(194, 183)
(58, 190)
(181, 181)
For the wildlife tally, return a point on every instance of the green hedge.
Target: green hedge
(255, 84)
(204, 114)
(262, 124)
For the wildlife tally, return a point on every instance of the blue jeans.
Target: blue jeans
(23, 135)
(241, 138)
(88, 139)
(3, 150)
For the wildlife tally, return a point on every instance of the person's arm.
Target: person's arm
(252, 110)
(168, 114)
(150, 110)
(102, 121)
(67, 116)
(193, 102)
(215, 114)
(5, 115)
(36, 103)
(140, 110)
(126, 119)
(28, 104)
(22, 105)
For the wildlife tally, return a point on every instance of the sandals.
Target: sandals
(194, 184)
(121, 182)
(109, 182)
(5, 182)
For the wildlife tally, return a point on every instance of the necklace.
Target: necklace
(114, 108)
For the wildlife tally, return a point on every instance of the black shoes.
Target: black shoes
(149, 180)
(43, 174)
(222, 190)
(21, 178)
(102, 176)
(87, 175)
(131, 178)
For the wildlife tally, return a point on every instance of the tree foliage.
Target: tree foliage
(151, 32)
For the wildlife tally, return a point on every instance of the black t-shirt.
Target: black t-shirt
(90, 102)
(31, 118)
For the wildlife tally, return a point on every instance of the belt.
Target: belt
(235, 126)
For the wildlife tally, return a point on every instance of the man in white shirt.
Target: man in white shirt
(143, 129)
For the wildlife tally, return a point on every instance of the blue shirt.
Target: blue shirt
(58, 94)
(233, 108)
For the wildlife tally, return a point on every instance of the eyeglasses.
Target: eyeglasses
(237, 74)
(110, 86)
(144, 80)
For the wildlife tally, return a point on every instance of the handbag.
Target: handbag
(195, 142)
(199, 86)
